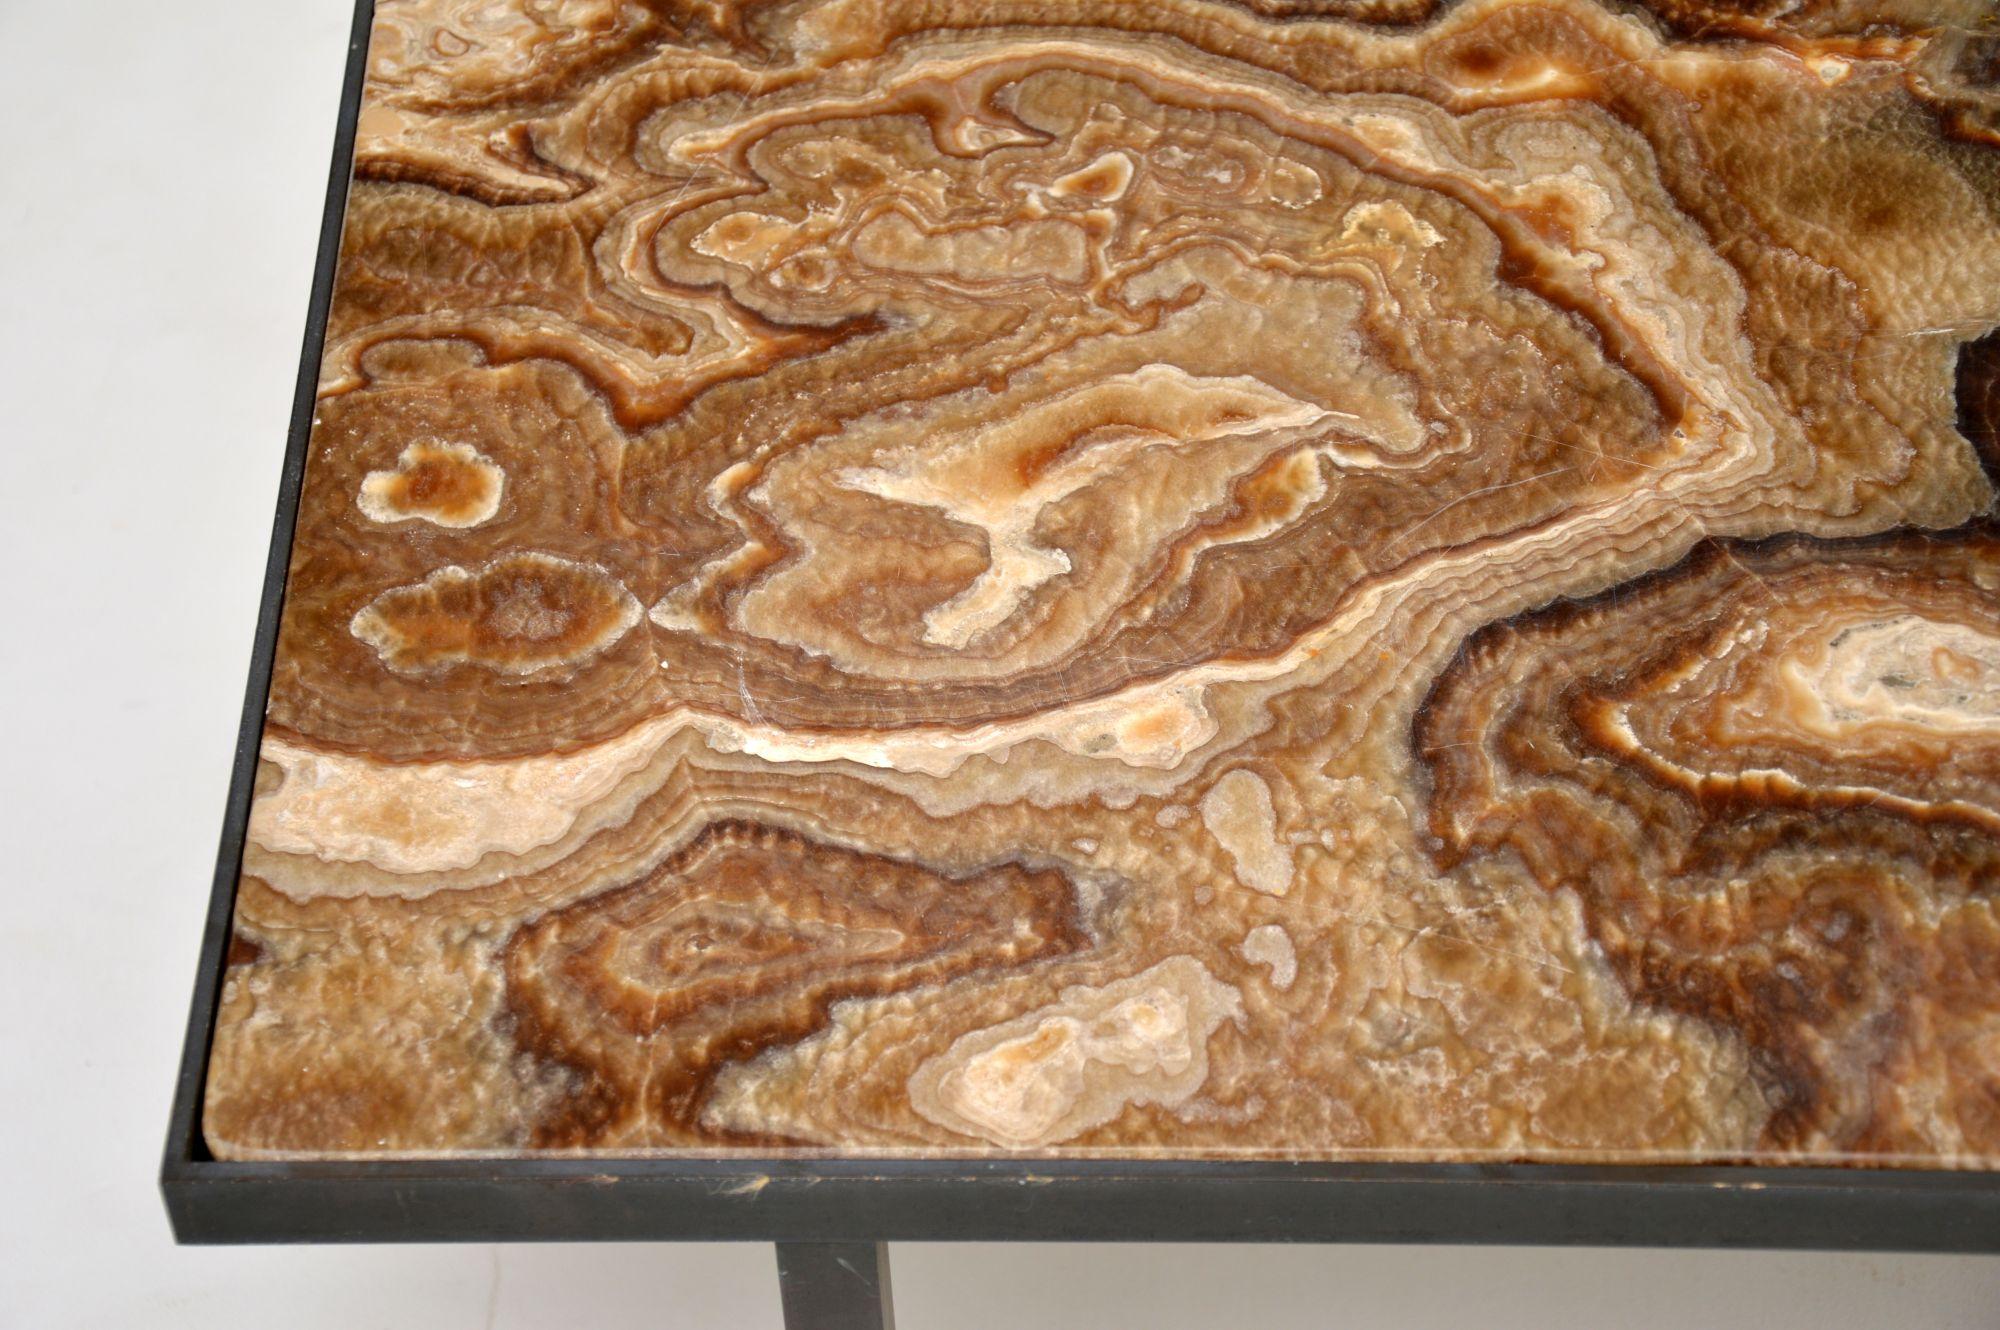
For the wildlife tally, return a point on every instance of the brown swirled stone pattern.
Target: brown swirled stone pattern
(1336, 578)
(742, 943)
(1777, 810)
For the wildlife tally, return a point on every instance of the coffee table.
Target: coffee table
(1002, 621)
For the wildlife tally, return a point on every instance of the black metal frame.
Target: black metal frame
(853, 1200)
(835, 1286)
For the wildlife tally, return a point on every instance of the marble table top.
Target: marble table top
(1340, 579)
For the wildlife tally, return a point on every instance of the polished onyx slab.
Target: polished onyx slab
(875, 625)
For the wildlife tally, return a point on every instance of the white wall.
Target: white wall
(160, 181)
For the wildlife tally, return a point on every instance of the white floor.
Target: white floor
(160, 186)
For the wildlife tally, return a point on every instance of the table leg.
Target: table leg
(835, 1285)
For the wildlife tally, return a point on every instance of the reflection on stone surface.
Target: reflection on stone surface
(1309, 579)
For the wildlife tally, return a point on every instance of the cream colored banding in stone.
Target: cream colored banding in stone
(372, 625)
(1078, 1063)
(490, 41)
(1271, 946)
(1237, 811)
(1624, 741)
(1213, 429)
(1116, 167)
(376, 487)
(430, 816)
(433, 816)
(455, 147)
(1848, 691)
(955, 477)
(718, 339)
(1389, 219)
